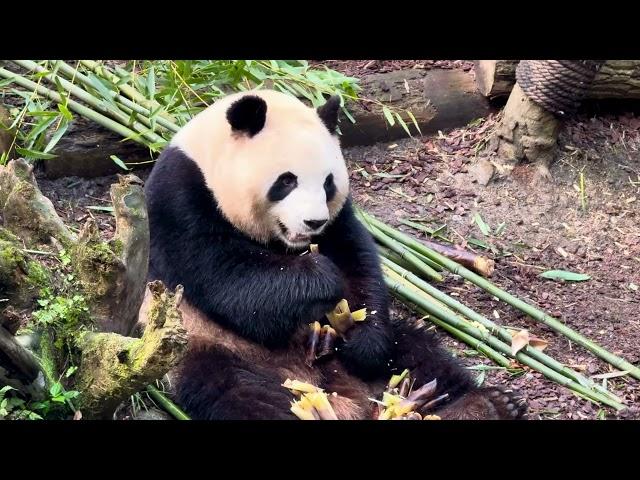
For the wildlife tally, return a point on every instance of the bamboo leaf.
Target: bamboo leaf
(478, 243)
(537, 343)
(119, 162)
(57, 136)
(25, 152)
(415, 122)
(348, 115)
(565, 275)
(101, 209)
(484, 228)
(403, 124)
(500, 228)
(65, 111)
(388, 115)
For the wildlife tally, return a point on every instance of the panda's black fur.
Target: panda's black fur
(265, 294)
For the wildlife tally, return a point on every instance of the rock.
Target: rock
(482, 171)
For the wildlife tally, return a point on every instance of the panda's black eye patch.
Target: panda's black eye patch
(330, 187)
(283, 186)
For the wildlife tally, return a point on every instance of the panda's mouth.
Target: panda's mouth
(297, 240)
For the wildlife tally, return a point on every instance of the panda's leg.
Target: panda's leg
(214, 384)
(419, 351)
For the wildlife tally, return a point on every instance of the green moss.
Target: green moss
(7, 236)
(97, 267)
(38, 275)
(117, 247)
(47, 358)
(9, 254)
(10, 259)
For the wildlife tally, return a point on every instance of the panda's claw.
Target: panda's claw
(490, 403)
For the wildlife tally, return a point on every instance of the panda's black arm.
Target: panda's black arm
(260, 294)
(368, 346)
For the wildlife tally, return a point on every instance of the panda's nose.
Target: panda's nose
(314, 224)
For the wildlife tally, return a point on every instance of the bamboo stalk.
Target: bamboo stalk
(478, 263)
(75, 106)
(515, 302)
(474, 343)
(429, 306)
(128, 90)
(397, 259)
(494, 328)
(167, 404)
(102, 106)
(144, 113)
(405, 253)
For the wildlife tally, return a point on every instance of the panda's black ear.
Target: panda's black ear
(247, 115)
(328, 113)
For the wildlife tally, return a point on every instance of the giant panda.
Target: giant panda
(234, 201)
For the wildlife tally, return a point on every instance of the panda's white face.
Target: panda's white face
(300, 206)
(275, 169)
(307, 194)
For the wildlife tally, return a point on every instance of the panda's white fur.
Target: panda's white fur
(239, 170)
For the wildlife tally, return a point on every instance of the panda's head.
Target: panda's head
(273, 164)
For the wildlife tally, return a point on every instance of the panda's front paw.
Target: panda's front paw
(326, 288)
(367, 353)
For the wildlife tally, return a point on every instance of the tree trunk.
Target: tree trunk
(109, 277)
(527, 132)
(617, 79)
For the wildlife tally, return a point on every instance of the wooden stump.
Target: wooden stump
(111, 279)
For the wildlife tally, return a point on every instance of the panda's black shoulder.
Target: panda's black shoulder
(177, 180)
(183, 214)
(347, 229)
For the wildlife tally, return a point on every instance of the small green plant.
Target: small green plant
(12, 406)
(58, 403)
(59, 311)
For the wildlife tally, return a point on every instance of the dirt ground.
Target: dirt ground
(556, 225)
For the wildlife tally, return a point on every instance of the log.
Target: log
(495, 78)
(438, 99)
(19, 368)
(116, 288)
(617, 79)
